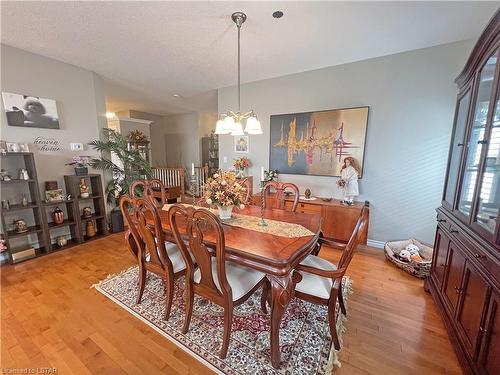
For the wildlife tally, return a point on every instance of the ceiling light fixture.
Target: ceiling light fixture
(176, 95)
(232, 122)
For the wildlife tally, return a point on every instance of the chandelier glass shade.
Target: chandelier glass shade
(232, 122)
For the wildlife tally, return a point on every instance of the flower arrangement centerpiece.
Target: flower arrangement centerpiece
(81, 164)
(224, 191)
(271, 175)
(241, 165)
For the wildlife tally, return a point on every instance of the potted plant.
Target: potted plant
(81, 164)
(241, 166)
(271, 175)
(224, 191)
(125, 167)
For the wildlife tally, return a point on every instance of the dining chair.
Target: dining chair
(246, 183)
(279, 194)
(153, 253)
(223, 282)
(153, 189)
(322, 281)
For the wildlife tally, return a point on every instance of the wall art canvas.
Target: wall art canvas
(316, 143)
(30, 111)
(241, 144)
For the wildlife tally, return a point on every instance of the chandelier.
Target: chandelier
(232, 122)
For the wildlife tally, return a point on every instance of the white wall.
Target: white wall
(80, 98)
(411, 97)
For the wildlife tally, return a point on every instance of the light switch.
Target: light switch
(76, 146)
(225, 159)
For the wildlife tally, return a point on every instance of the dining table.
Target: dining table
(275, 255)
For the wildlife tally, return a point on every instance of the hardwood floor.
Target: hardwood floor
(50, 317)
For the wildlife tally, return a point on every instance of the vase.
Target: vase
(225, 212)
(58, 216)
(240, 173)
(90, 228)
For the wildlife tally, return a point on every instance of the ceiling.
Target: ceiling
(147, 51)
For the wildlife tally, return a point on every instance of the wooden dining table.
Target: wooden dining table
(274, 255)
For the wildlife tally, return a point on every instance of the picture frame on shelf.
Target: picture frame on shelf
(54, 195)
(13, 147)
(23, 147)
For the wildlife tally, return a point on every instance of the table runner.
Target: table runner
(274, 227)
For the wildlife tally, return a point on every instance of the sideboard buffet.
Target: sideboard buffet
(338, 221)
(465, 274)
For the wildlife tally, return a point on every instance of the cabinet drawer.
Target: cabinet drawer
(309, 208)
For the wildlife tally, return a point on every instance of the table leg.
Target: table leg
(282, 289)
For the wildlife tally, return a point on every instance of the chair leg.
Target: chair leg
(142, 283)
(264, 297)
(332, 320)
(228, 323)
(341, 300)
(189, 309)
(168, 284)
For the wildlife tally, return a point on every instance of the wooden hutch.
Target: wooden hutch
(465, 275)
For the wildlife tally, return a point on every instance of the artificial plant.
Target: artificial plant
(128, 166)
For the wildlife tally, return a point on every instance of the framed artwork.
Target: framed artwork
(30, 111)
(54, 195)
(23, 147)
(241, 143)
(316, 143)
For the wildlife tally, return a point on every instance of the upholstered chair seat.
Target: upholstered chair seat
(241, 279)
(315, 285)
(175, 256)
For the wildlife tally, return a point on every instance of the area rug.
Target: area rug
(305, 342)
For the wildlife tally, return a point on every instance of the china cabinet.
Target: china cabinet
(465, 275)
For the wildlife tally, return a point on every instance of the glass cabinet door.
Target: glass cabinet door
(476, 136)
(456, 147)
(489, 193)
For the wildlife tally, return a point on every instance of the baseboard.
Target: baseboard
(375, 243)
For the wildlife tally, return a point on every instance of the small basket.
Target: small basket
(421, 269)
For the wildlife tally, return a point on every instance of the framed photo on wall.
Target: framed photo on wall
(316, 143)
(241, 144)
(30, 111)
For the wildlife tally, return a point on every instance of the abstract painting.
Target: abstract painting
(30, 111)
(316, 143)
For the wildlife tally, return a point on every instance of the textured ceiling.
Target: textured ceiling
(146, 51)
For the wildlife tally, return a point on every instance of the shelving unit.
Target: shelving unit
(31, 213)
(210, 153)
(96, 199)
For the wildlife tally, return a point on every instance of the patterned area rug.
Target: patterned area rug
(305, 340)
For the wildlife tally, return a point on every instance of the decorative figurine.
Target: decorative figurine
(24, 200)
(87, 212)
(6, 205)
(348, 182)
(84, 189)
(20, 226)
(23, 174)
(307, 193)
(57, 216)
(61, 241)
(90, 228)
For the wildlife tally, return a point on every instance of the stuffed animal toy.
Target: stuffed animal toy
(414, 253)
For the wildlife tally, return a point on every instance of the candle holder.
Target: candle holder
(262, 222)
(192, 186)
